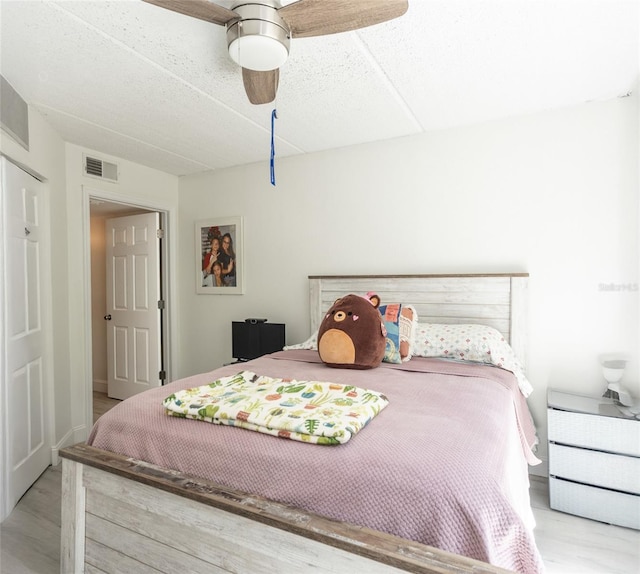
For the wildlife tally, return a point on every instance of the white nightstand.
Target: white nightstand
(594, 459)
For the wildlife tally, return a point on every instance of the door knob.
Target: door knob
(107, 317)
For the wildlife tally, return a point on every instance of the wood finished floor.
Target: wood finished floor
(101, 404)
(30, 537)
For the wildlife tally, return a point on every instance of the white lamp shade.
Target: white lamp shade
(612, 375)
(260, 53)
(260, 39)
(613, 369)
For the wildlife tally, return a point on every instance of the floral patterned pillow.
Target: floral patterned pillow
(400, 321)
(476, 343)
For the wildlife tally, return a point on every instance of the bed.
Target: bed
(437, 482)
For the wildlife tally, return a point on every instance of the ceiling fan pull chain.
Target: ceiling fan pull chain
(274, 117)
(240, 31)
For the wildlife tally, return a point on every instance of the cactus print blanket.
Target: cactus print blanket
(307, 411)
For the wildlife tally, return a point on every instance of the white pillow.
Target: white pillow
(476, 343)
(311, 344)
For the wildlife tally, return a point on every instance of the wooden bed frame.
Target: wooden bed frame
(124, 515)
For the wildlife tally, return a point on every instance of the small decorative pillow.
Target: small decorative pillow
(476, 343)
(400, 321)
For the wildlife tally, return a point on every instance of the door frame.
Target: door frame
(168, 220)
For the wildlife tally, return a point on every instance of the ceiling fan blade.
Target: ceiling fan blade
(201, 9)
(319, 17)
(261, 87)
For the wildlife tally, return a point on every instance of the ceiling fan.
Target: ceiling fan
(259, 31)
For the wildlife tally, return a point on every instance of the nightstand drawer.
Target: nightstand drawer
(595, 503)
(593, 431)
(595, 468)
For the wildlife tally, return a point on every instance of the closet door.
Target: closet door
(26, 451)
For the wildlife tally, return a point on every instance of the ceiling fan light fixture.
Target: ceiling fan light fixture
(259, 31)
(260, 53)
(260, 39)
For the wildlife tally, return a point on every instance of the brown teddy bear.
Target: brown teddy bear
(352, 333)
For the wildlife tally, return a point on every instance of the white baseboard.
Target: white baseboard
(100, 386)
(72, 436)
(541, 469)
(66, 440)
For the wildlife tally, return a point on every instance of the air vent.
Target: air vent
(95, 167)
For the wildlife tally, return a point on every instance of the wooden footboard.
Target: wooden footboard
(123, 515)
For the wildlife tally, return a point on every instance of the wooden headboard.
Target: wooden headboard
(497, 300)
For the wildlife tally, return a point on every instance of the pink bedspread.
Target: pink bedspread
(444, 464)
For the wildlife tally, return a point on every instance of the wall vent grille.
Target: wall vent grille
(94, 167)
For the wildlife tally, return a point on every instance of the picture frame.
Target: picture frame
(219, 244)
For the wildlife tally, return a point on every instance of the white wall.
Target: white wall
(138, 185)
(554, 194)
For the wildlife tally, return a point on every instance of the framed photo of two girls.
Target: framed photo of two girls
(219, 257)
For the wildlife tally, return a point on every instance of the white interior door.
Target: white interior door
(134, 357)
(24, 414)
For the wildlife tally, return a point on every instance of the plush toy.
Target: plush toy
(352, 334)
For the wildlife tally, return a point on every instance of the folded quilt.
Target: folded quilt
(307, 411)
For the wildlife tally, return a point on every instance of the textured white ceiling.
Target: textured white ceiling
(158, 88)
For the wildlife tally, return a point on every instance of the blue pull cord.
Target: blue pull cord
(274, 117)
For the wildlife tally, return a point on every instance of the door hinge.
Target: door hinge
(162, 375)
(161, 304)
(160, 233)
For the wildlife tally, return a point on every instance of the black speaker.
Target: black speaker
(250, 340)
